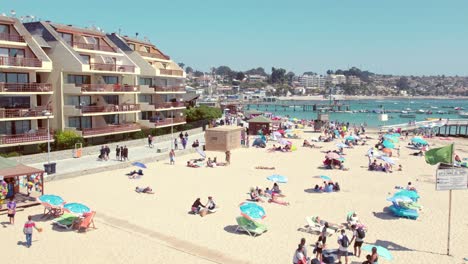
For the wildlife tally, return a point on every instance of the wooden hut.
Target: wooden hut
(223, 138)
(20, 182)
(259, 123)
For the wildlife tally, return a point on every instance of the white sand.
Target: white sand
(140, 228)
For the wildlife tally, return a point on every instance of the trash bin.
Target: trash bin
(50, 168)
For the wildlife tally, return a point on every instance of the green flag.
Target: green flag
(443, 154)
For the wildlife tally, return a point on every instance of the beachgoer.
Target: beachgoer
(343, 243)
(117, 153)
(184, 142)
(186, 136)
(196, 206)
(374, 256)
(323, 234)
(299, 257)
(150, 141)
(304, 249)
(172, 157)
(319, 249)
(28, 230)
(11, 206)
(358, 237)
(125, 153)
(409, 187)
(107, 149)
(209, 207)
(368, 259)
(121, 153)
(254, 195)
(147, 190)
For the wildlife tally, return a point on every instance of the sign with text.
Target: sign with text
(452, 179)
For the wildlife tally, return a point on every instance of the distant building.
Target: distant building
(256, 78)
(353, 80)
(336, 79)
(317, 81)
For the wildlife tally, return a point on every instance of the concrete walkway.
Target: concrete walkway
(73, 167)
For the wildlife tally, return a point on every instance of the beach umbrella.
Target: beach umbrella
(325, 177)
(332, 155)
(381, 251)
(388, 144)
(350, 138)
(252, 211)
(51, 199)
(341, 145)
(418, 140)
(387, 159)
(76, 208)
(408, 193)
(278, 178)
(139, 164)
(399, 198)
(391, 138)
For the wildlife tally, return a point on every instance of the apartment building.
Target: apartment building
(95, 83)
(25, 89)
(336, 79)
(315, 81)
(161, 81)
(354, 80)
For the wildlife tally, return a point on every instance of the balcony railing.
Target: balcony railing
(153, 55)
(11, 37)
(25, 87)
(21, 62)
(111, 67)
(109, 129)
(169, 105)
(109, 88)
(24, 112)
(40, 135)
(167, 121)
(171, 72)
(110, 108)
(169, 88)
(88, 46)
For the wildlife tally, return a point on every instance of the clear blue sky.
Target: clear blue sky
(410, 37)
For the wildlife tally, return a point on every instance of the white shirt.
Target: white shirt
(298, 256)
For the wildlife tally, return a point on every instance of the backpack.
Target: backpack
(344, 241)
(361, 233)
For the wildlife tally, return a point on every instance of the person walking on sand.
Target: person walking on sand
(304, 248)
(28, 230)
(117, 153)
(343, 242)
(11, 206)
(172, 157)
(358, 238)
(121, 153)
(150, 141)
(176, 146)
(184, 142)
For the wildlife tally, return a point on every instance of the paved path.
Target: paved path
(72, 167)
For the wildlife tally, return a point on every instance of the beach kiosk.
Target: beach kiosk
(259, 123)
(223, 138)
(20, 182)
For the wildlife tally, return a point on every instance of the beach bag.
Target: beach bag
(361, 233)
(344, 241)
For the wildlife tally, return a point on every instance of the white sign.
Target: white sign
(452, 179)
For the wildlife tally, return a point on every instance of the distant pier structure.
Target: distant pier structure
(297, 106)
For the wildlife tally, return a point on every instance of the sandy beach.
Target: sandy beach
(142, 228)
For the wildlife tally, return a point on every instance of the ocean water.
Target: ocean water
(372, 119)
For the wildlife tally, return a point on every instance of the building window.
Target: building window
(15, 102)
(15, 127)
(67, 37)
(5, 52)
(78, 80)
(111, 79)
(111, 99)
(85, 58)
(79, 122)
(4, 29)
(111, 119)
(146, 81)
(13, 77)
(131, 46)
(145, 98)
(79, 101)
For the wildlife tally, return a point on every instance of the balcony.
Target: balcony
(21, 139)
(153, 55)
(11, 37)
(20, 62)
(111, 67)
(111, 88)
(178, 73)
(92, 110)
(168, 121)
(88, 46)
(169, 89)
(18, 113)
(109, 130)
(166, 105)
(25, 88)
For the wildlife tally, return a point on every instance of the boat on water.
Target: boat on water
(406, 114)
(441, 112)
(458, 108)
(420, 111)
(463, 114)
(434, 107)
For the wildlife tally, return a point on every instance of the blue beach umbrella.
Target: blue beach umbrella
(76, 208)
(325, 177)
(399, 198)
(381, 251)
(388, 144)
(51, 199)
(418, 140)
(350, 138)
(139, 164)
(278, 178)
(252, 211)
(410, 194)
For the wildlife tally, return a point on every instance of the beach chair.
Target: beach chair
(315, 227)
(250, 227)
(66, 221)
(87, 221)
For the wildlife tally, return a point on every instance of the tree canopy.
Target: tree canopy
(202, 112)
(278, 76)
(257, 71)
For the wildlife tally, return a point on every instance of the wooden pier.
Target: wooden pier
(452, 128)
(295, 106)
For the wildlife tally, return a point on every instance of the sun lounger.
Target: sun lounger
(250, 227)
(314, 227)
(87, 221)
(66, 220)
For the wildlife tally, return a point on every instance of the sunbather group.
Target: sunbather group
(134, 174)
(379, 167)
(329, 186)
(210, 163)
(286, 148)
(258, 195)
(203, 209)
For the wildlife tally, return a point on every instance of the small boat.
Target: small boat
(420, 111)
(441, 112)
(463, 114)
(405, 114)
(434, 107)
(458, 108)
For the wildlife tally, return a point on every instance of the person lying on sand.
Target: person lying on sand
(191, 164)
(264, 168)
(254, 195)
(274, 199)
(135, 173)
(147, 190)
(276, 190)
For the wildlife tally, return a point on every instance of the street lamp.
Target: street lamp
(47, 114)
